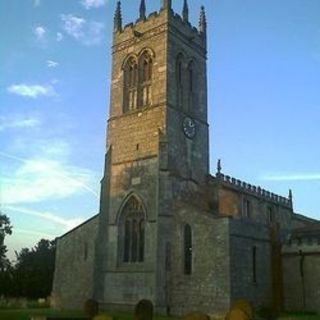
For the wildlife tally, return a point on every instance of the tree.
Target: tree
(5, 266)
(33, 272)
(5, 229)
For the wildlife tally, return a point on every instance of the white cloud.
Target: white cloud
(95, 34)
(31, 91)
(68, 224)
(52, 64)
(86, 32)
(39, 32)
(18, 122)
(292, 177)
(73, 25)
(59, 36)
(88, 4)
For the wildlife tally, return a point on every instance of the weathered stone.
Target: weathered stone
(156, 185)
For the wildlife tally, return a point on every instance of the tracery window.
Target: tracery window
(187, 249)
(145, 79)
(132, 233)
(130, 84)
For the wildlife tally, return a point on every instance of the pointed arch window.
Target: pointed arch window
(130, 84)
(132, 231)
(187, 249)
(145, 79)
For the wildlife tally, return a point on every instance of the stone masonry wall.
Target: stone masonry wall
(301, 276)
(126, 283)
(207, 289)
(73, 277)
(232, 196)
(188, 158)
(134, 139)
(244, 236)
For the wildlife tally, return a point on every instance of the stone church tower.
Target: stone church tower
(167, 230)
(157, 152)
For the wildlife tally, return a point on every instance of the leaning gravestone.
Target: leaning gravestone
(91, 308)
(143, 310)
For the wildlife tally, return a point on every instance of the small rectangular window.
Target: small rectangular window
(85, 251)
(246, 208)
(270, 215)
(168, 256)
(254, 264)
(187, 250)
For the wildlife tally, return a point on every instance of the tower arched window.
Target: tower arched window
(190, 77)
(130, 85)
(179, 80)
(187, 249)
(191, 85)
(132, 231)
(145, 79)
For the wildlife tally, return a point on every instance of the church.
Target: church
(167, 230)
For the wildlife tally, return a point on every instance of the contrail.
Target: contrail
(84, 186)
(67, 223)
(34, 233)
(293, 177)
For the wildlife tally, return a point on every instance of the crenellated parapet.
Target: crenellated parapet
(146, 24)
(185, 25)
(253, 190)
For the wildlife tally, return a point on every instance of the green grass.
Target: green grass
(300, 316)
(25, 314)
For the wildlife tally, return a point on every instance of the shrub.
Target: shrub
(196, 316)
(102, 317)
(240, 310)
(266, 313)
(237, 314)
(143, 310)
(244, 306)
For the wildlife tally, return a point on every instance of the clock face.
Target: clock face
(189, 127)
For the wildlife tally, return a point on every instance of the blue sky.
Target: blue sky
(55, 62)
